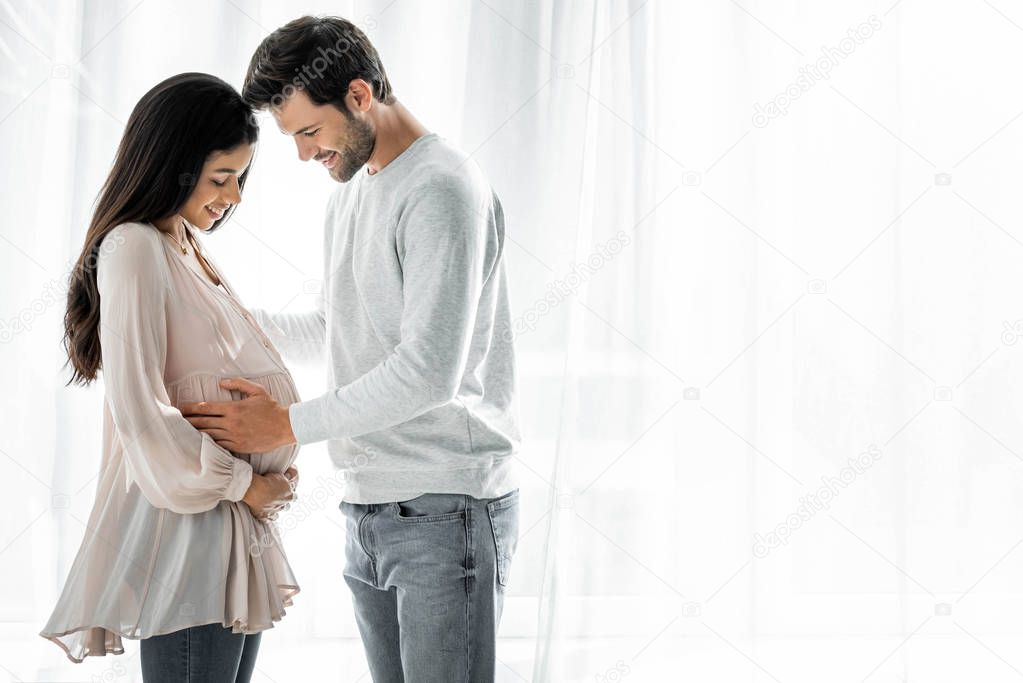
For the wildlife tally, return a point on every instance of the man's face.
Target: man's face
(342, 143)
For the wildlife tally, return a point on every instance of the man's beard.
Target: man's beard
(361, 140)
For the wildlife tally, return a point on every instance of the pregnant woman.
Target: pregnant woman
(181, 549)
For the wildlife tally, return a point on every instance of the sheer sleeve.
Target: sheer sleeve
(175, 466)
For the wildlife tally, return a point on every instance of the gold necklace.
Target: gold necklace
(179, 241)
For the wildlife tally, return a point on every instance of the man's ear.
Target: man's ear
(360, 96)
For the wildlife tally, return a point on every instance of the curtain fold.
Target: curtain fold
(549, 662)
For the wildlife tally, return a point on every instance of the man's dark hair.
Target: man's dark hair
(320, 55)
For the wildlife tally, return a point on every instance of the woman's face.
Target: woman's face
(216, 188)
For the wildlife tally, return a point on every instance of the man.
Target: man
(415, 319)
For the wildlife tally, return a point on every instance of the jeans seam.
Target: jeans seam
(360, 528)
(372, 558)
(498, 548)
(470, 587)
(430, 519)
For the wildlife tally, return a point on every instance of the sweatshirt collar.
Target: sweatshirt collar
(406, 156)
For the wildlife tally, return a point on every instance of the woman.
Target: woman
(180, 549)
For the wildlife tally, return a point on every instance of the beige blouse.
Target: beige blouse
(169, 543)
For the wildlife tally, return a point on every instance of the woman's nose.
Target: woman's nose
(234, 192)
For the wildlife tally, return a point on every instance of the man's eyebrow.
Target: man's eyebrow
(299, 132)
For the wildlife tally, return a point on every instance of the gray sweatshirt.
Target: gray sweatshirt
(415, 323)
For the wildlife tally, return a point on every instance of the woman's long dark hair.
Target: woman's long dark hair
(170, 134)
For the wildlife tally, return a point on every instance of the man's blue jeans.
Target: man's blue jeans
(428, 577)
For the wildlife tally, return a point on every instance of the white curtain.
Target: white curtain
(766, 299)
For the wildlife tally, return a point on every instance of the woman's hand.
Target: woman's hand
(292, 475)
(268, 494)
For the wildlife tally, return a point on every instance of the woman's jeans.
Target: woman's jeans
(428, 577)
(200, 654)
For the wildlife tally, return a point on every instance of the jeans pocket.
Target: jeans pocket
(504, 521)
(430, 507)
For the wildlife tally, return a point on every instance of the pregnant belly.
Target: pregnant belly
(206, 387)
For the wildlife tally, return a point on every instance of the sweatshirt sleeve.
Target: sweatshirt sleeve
(447, 245)
(175, 466)
(301, 337)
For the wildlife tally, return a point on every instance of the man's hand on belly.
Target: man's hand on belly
(255, 424)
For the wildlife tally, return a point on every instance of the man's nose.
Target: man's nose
(306, 150)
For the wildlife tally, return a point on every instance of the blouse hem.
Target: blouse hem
(289, 592)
